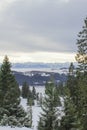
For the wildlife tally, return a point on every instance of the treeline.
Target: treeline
(31, 95)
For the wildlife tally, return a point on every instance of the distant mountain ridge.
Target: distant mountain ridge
(42, 65)
(38, 78)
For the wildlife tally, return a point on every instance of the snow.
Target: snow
(26, 71)
(36, 113)
(36, 110)
(16, 128)
(39, 89)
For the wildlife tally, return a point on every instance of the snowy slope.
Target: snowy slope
(35, 115)
(36, 110)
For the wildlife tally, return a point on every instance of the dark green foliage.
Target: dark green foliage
(29, 115)
(9, 89)
(82, 76)
(55, 95)
(30, 98)
(60, 88)
(25, 90)
(41, 99)
(49, 117)
(10, 110)
(34, 92)
(75, 102)
(82, 104)
(71, 69)
(81, 56)
(70, 119)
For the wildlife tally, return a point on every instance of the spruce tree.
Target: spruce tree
(9, 97)
(9, 89)
(49, 116)
(69, 120)
(72, 84)
(30, 98)
(25, 90)
(81, 56)
(34, 92)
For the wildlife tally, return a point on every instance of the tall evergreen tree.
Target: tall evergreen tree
(10, 97)
(49, 117)
(25, 90)
(34, 92)
(30, 98)
(81, 56)
(72, 84)
(9, 89)
(69, 120)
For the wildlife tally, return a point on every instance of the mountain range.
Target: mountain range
(42, 65)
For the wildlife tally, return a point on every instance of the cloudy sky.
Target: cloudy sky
(40, 30)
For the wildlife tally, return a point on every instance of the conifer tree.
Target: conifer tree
(25, 90)
(72, 84)
(34, 92)
(29, 111)
(49, 117)
(69, 120)
(30, 98)
(81, 56)
(10, 97)
(9, 89)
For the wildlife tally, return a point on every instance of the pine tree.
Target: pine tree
(71, 69)
(25, 90)
(81, 56)
(56, 94)
(34, 92)
(9, 89)
(82, 103)
(9, 97)
(30, 98)
(72, 84)
(29, 116)
(70, 119)
(41, 99)
(49, 117)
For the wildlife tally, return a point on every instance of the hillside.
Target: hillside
(39, 77)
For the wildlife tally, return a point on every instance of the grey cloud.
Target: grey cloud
(42, 26)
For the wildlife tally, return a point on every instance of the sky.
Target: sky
(40, 30)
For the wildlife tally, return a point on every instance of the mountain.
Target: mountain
(41, 65)
(39, 78)
(40, 73)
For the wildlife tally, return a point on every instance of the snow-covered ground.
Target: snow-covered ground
(36, 110)
(35, 113)
(16, 128)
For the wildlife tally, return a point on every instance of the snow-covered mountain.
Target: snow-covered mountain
(39, 77)
(41, 65)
